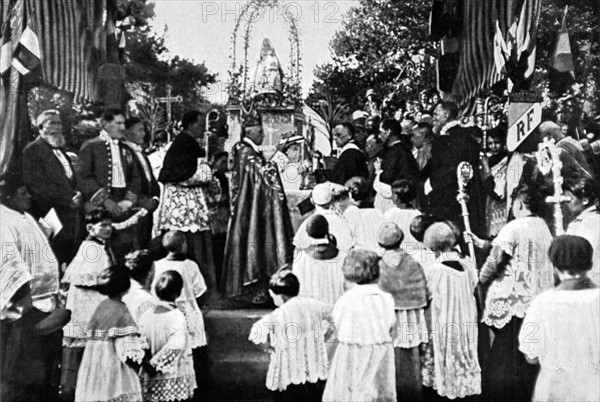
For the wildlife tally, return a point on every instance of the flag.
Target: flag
(27, 55)
(67, 31)
(500, 49)
(527, 36)
(512, 39)
(476, 71)
(5, 50)
(560, 73)
(10, 90)
(562, 58)
(479, 59)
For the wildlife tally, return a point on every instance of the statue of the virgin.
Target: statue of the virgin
(269, 74)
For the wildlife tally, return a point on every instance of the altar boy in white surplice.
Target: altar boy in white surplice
(319, 267)
(294, 334)
(323, 197)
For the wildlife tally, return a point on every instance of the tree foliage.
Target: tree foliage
(149, 70)
(584, 34)
(379, 40)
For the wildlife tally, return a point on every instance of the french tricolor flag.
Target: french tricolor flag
(27, 54)
(5, 51)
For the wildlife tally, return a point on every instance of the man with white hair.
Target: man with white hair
(49, 174)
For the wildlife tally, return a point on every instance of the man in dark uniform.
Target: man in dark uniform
(49, 175)
(108, 176)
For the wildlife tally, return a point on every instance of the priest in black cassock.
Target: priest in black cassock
(149, 196)
(189, 189)
(454, 144)
(259, 241)
(351, 160)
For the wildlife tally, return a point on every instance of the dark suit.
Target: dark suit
(149, 191)
(94, 179)
(50, 187)
(397, 163)
(447, 152)
(351, 163)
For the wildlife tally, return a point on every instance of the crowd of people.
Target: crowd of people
(387, 291)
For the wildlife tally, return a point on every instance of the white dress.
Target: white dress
(364, 225)
(454, 331)
(194, 286)
(22, 240)
(83, 299)
(322, 280)
(362, 368)
(338, 227)
(562, 330)
(296, 331)
(164, 332)
(587, 225)
(529, 272)
(138, 300)
(104, 375)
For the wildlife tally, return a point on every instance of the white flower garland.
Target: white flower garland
(133, 220)
(448, 126)
(455, 123)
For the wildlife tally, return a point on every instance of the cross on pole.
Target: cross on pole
(549, 161)
(168, 100)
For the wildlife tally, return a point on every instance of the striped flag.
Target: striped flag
(562, 58)
(66, 31)
(478, 69)
(526, 39)
(560, 73)
(5, 50)
(500, 49)
(10, 89)
(27, 55)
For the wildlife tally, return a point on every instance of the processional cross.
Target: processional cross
(168, 100)
(549, 161)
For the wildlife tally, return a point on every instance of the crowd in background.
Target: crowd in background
(422, 301)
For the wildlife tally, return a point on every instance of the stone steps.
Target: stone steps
(239, 367)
